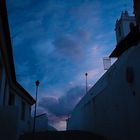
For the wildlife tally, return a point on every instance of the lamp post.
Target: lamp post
(86, 74)
(37, 84)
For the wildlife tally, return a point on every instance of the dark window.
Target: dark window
(131, 26)
(11, 99)
(119, 31)
(23, 107)
(130, 75)
(0, 71)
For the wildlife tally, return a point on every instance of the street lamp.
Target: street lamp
(37, 84)
(86, 74)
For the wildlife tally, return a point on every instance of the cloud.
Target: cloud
(68, 46)
(59, 109)
(60, 125)
(18, 3)
(63, 105)
(72, 45)
(83, 35)
(87, 6)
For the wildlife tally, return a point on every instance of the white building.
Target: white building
(124, 25)
(111, 107)
(15, 101)
(41, 123)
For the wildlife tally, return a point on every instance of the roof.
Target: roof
(25, 92)
(5, 27)
(131, 40)
(44, 114)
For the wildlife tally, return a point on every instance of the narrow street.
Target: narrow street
(61, 135)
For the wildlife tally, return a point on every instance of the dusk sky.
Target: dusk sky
(57, 42)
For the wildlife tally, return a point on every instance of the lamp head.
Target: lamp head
(37, 83)
(86, 74)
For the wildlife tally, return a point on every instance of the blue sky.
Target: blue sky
(57, 42)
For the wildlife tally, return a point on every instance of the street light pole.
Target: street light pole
(86, 74)
(34, 123)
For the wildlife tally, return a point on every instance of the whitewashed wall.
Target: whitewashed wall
(17, 126)
(112, 106)
(25, 124)
(8, 123)
(41, 123)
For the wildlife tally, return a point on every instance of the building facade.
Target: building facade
(41, 123)
(124, 25)
(15, 101)
(111, 107)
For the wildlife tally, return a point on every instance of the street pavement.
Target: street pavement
(61, 135)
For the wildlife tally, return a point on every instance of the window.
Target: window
(29, 111)
(0, 72)
(23, 107)
(119, 31)
(131, 26)
(129, 75)
(11, 99)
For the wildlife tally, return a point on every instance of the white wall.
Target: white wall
(114, 111)
(22, 125)
(2, 87)
(124, 25)
(5, 90)
(41, 123)
(8, 123)
(25, 124)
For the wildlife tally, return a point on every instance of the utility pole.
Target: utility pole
(86, 74)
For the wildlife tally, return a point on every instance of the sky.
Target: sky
(57, 42)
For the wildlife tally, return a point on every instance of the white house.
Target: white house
(111, 107)
(15, 101)
(41, 123)
(123, 25)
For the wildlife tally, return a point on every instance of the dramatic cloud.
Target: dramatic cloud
(68, 46)
(59, 109)
(73, 45)
(59, 125)
(63, 105)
